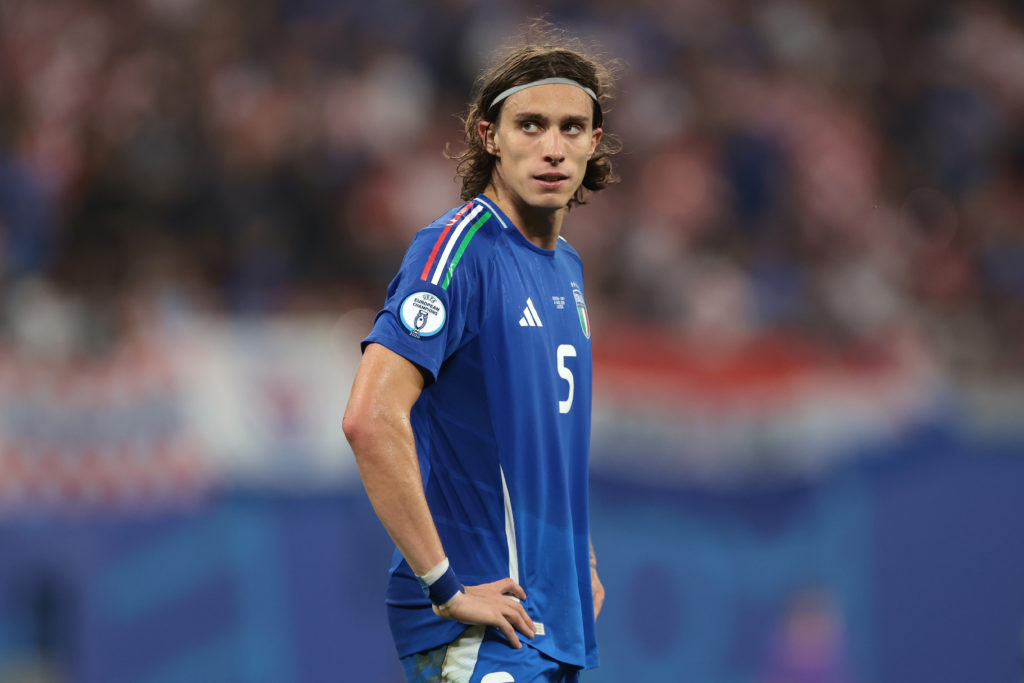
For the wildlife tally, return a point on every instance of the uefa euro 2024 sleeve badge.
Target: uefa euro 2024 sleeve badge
(423, 314)
(581, 308)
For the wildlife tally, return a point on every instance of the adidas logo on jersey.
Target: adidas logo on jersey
(530, 317)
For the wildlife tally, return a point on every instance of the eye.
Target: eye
(573, 129)
(530, 127)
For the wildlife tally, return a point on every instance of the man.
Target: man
(469, 415)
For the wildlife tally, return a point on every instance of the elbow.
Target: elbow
(366, 426)
(356, 427)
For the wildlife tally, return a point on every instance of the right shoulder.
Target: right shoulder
(462, 236)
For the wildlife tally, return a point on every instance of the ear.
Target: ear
(595, 138)
(487, 130)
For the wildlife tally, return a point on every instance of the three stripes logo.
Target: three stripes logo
(530, 316)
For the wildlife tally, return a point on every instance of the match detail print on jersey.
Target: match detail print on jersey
(454, 242)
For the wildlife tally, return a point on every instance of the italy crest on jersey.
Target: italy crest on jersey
(581, 308)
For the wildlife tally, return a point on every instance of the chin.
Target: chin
(551, 202)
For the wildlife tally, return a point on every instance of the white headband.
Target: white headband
(544, 81)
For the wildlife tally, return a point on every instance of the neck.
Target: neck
(540, 226)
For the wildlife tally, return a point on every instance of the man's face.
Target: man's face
(542, 142)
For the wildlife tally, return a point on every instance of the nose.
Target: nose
(553, 151)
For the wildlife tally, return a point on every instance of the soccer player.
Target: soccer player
(469, 415)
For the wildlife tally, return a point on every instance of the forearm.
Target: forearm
(377, 426)
(595, 582)
(391, 476)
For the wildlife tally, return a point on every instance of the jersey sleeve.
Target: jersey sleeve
(432, 303)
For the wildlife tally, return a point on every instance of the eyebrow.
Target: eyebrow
(566, 120)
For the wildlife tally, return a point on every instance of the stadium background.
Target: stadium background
(807, 297)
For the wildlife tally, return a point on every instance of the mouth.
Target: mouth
(551, 181)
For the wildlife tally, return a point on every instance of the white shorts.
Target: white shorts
(482, 655)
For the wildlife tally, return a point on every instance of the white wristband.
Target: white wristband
(436, 572)
(440, 584)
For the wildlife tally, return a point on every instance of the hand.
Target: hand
(598, 589)
(491, 604)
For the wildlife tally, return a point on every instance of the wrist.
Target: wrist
(447, 605)
(440, 584)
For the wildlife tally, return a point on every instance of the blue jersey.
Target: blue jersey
(502, 428)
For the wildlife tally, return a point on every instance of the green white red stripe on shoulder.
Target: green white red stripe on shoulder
(481, 199)
(452, 243)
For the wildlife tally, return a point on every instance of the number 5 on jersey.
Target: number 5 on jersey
(565, 351)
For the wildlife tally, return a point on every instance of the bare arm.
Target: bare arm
(595, 582)
(377, 426)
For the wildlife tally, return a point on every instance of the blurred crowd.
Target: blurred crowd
(848, 174)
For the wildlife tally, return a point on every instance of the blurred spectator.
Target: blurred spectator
(846, 173)
(810, 645)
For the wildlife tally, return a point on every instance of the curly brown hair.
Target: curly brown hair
(552, 56)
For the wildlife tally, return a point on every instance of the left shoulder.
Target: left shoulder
(568, 250)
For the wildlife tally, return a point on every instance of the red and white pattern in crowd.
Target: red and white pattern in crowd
(97, 431)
